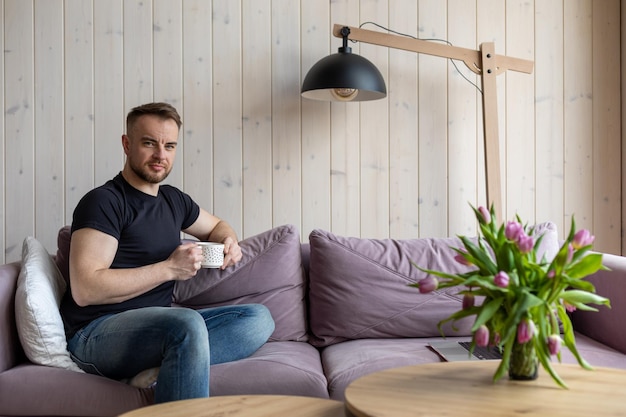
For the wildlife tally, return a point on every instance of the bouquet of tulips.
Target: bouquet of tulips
(525, 300)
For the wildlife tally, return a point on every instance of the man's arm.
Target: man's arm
(211, 229)
(93, 282)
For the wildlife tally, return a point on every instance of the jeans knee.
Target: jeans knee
(264, 321)
(188, 329)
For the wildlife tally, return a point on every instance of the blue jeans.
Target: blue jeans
(181, 341)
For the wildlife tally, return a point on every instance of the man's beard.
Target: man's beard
(145, 175)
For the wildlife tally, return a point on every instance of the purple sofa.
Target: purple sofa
(342, 309)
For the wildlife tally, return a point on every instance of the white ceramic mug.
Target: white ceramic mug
(212, 254)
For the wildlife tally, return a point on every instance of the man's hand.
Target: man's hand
(232, 252)
(186, 260)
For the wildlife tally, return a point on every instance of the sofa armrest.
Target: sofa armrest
(607, 326)
(10, 347)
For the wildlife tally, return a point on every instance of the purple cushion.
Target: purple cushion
(277, 368)
(62, 258)
(270, 273)
(359, 288)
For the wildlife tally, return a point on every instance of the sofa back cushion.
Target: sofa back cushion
(359, 287)
(270, 273)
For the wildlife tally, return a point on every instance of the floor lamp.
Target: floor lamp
(349, 77)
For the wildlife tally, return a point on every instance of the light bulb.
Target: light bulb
(344, 94)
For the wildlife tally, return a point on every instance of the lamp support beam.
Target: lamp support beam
(483, 62)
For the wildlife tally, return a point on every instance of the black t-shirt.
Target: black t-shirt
(147, 229)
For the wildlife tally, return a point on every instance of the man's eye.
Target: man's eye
(148, 144)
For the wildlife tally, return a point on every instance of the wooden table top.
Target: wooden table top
(244, 406)
(467, 389)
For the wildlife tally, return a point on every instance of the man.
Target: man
(125, 257)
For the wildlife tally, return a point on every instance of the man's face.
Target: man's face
(150, 148)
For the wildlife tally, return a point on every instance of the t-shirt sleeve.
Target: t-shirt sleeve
(191, 210)
(99, 209)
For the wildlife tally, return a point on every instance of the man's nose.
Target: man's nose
(159, 152)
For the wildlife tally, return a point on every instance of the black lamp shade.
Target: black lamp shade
(344, 77)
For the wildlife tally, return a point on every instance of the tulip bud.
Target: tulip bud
(481, 336)
(461, 259)
(513, 230)
(468, 301)
(554, 344)
(569, 307)
(525, 331)
(428, 284)
(486, 216)
(525, 243)
(501, 279)
(582, 238)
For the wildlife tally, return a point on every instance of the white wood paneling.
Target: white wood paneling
(78, 96)
(197, 144)
(316, 120)
(257, 117)
(403, 126)
(19, 68)
(520, 142)
(227, 107)
(255, 153)
(48, 104)
(433, 125)
(578, 110)
(549, 108)
(463, 114)
(108, 89)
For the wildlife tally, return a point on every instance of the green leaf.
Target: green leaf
(487, 311)
(576, 297)
(586, 266)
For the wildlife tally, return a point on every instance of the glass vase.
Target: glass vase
(524, 363)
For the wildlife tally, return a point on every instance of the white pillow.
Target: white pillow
(40, 288)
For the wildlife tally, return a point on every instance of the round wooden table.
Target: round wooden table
(244, 406)
(467, 389)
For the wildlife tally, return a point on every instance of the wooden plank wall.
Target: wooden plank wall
(258, 155)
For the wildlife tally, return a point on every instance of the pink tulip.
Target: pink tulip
(496, 339)
(582, 238)
(461, 259)
(513, 230)
(525, 243)
(428, 284)
(468, 301)
(486, 216)
(525, 331)
(481, 336)
(569, 307)
(554, 344)
(501, 279)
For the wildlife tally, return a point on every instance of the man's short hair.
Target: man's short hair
(162, 110)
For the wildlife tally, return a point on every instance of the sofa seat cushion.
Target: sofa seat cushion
(594, 352)
(279, 368)
(344, 362)
(27, 389)
(270, 273)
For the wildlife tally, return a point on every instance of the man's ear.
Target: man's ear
(126, 143)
